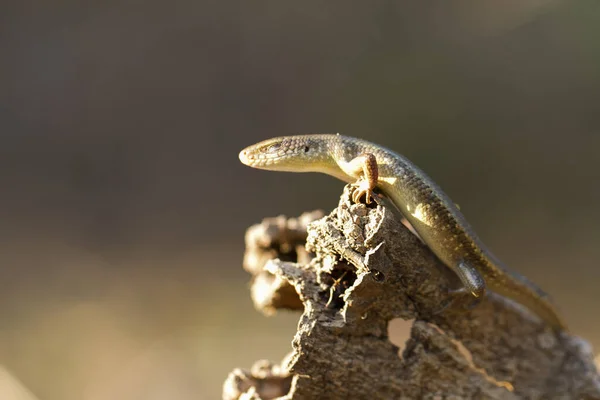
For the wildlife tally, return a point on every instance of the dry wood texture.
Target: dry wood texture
(356, 269)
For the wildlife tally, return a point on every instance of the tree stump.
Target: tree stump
(352, 272)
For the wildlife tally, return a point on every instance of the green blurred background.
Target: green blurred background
(124, 205)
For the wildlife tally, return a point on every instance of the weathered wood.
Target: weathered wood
(358, 268)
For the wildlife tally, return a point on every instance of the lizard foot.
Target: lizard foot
(365, 190)
(460, 298)
(465, 299)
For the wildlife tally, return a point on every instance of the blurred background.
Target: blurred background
(123, 203)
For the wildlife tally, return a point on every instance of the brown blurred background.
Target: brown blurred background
(123, 203)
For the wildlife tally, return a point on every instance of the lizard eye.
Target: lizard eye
(306, 149)
(273, 148)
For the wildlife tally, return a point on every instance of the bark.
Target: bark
(358, 268)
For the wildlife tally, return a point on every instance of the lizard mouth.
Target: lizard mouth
(260, 157)
(245, 157)
(251, 158)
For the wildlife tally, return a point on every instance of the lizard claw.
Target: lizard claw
(459, 299)
(363, 189)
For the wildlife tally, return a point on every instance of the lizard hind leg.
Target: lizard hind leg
(365, 168)
(472, 292)
(471, 279)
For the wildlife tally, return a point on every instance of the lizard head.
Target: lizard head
(290, 153)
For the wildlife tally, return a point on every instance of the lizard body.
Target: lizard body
(433, 215)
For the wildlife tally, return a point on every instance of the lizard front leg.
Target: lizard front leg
(364, 167)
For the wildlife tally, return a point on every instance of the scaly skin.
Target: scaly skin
(429, 210)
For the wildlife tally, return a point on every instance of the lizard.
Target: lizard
(433, 215)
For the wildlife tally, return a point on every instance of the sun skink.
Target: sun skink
(432, 214)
